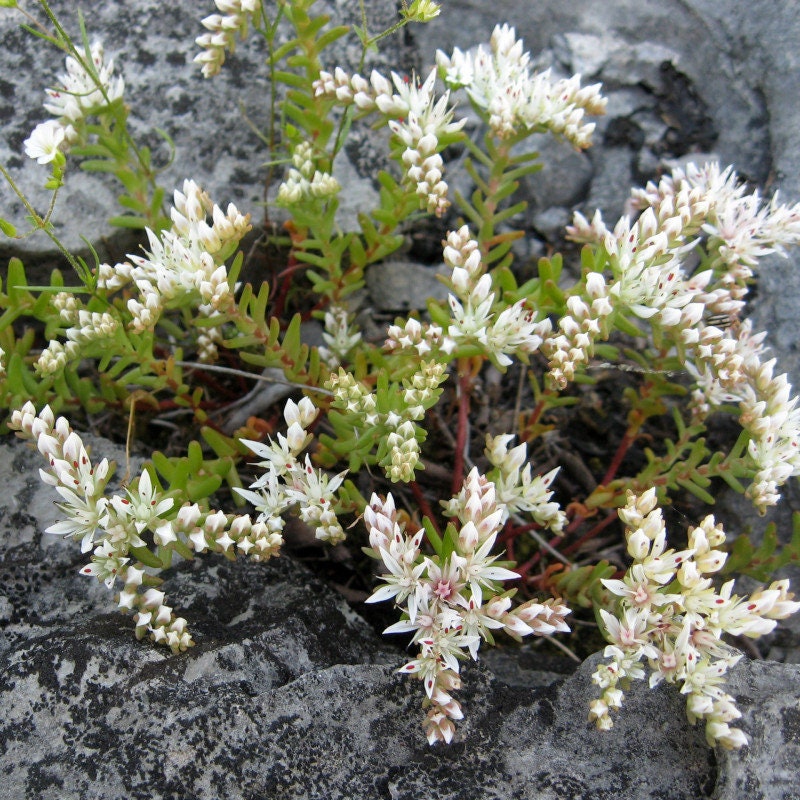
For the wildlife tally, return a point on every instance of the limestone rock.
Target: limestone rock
(288, 693)
(152, 44)
(401, 286)
(731, 64)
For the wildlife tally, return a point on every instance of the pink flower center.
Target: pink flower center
(444, 589)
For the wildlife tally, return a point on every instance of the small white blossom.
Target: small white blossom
(46, 141)
(499, 82)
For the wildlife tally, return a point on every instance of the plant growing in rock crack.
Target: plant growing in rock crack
(148, 335)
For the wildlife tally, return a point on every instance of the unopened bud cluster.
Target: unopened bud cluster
(414, 115)
(393, 414)
(475, 318)
(222, 30)
(517, 490)
(304, 180)
(184, 264)
(584, 323)
(88, 327)
(216, 531)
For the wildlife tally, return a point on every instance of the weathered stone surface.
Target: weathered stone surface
(289, 694)
(770, 702)
(399, 286)
(152, 44)
(729, 72)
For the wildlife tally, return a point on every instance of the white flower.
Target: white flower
(499, 82)
(84, 517)
(144, 504)
(340, 336)
(46, 141)
(107, 564)
(82, 93)
(402, 582)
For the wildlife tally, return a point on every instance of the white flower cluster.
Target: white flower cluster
(118, 522)
(698, 205)
(451, 604)
(184, 263)
(222, 29)
(398, 450)
(705, 206)
(415, 116)
(769, 413)
(289, 481)
(80, 94)
(115, 526)
(500, 83)
(514, 331)
(671, 615)
(517, 491)
(738, 227)
(89, 326)
(2, 363)
(340, 336)
(305, 180)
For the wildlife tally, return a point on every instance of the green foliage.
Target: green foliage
(172, 337)
(581, 586)
(764, 560)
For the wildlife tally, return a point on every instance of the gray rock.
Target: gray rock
(398, 285)
(564, 178)
(153, 46)
(769, 698)
(551, 222)
(613, 172)
(288, 693)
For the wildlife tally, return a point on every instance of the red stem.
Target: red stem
(591, 533)
(424, 505)
(536, 413)
(537, 556)
(464, 391)
(627, 440)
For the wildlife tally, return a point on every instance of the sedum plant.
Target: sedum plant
(156, 333)
(672, 615)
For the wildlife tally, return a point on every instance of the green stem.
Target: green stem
(68, 47)
(43, 223)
